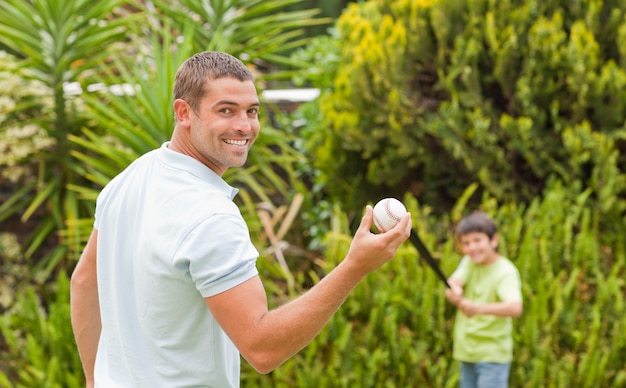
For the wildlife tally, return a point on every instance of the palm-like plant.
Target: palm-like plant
(59, 41)
(263, 31)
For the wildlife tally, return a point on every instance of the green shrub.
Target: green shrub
(396, 328)
(21, 135)
(431, 96)
(40, 346)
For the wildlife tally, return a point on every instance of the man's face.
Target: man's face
(226, 124)
(479, 247)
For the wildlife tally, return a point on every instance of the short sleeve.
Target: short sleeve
(510, 288)
(217, 254)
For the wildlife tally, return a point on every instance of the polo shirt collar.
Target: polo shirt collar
(194, 167)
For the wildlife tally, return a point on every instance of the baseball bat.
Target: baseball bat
(423, 251)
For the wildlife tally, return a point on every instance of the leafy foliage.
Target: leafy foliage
(120, 58)
(55, 47)
(396, 327)
(261, 32)
(475, 108)
(41, 351)
(21, 137)
(431, 96)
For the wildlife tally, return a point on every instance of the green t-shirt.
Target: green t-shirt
(486, 338)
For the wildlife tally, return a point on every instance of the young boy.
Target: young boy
(486, 288)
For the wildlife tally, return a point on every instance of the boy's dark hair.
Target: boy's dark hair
(477, 221)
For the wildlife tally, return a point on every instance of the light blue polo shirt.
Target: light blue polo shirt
(169, 235)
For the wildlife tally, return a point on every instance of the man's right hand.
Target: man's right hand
(369, 251)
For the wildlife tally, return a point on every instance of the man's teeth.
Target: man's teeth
(236, 142)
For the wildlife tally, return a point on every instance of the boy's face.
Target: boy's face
(479, 247)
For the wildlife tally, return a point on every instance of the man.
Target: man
(166, 292)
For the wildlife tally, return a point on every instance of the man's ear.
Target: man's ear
(182, 111)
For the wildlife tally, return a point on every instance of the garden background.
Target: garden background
(517, 108)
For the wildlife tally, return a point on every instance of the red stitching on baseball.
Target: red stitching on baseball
(389, 213)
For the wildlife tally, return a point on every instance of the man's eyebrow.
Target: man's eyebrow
(233, 103)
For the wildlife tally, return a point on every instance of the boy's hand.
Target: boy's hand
(454, 294)
(468, 307)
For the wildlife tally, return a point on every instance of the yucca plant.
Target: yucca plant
(58, 42)
(265, 32)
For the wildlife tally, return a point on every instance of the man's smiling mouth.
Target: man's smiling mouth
(236, 142)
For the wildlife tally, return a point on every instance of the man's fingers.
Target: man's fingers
(405, 222)
(404, 226)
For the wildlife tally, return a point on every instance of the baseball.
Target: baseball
(387, 213)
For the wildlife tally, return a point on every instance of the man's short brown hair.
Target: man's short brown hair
(192, 76)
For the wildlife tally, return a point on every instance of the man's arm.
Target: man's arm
(265, 338)
(85, 307)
